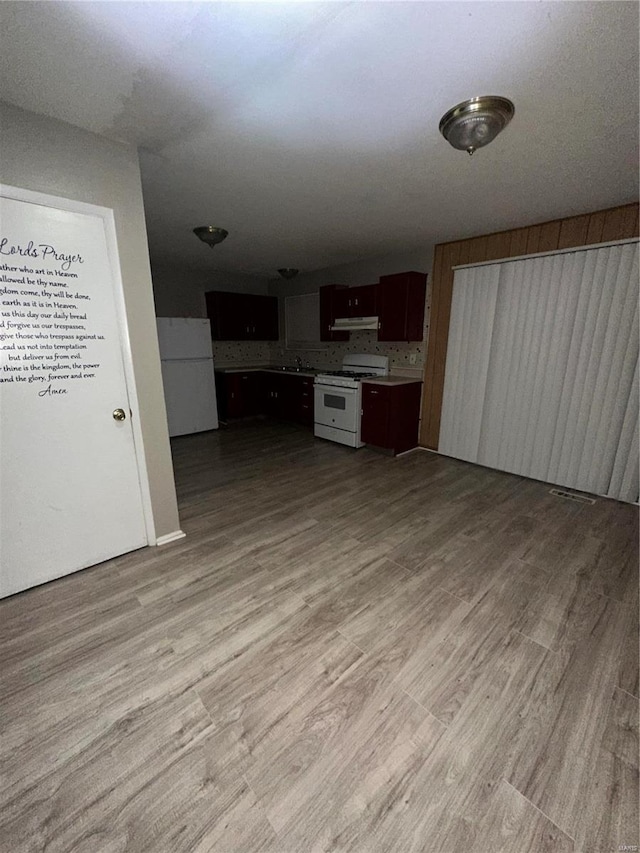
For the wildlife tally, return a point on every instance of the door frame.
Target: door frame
(108, 219)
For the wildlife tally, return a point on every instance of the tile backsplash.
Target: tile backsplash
(361, 342)
(241, 352)
(232, 353)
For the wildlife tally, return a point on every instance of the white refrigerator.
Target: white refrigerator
(187, 374)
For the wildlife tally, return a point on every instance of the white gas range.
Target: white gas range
(338, 398)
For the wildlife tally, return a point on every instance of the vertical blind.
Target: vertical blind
(542, 369)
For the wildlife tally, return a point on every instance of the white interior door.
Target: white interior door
(71, 493)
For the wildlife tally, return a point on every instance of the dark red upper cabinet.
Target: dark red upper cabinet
(400, 306)
(363, 301)
(264, 313)
(226, 315)
(328, 298)
(356, 301)
(341, 306)
(242, 316)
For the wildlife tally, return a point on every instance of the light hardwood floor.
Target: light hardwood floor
(348, 652)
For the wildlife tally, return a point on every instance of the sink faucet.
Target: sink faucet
(298, 362)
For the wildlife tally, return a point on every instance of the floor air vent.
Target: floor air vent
(570, 496)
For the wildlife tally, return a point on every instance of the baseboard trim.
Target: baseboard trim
(170, 537)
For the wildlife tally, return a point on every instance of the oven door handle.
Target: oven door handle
(335, 389)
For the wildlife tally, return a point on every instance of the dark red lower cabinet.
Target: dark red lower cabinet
(258, 392)
(238, 394)
(391, 415)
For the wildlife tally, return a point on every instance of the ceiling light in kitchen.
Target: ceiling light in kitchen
(210, 235)
(476, 122)
(288, 272)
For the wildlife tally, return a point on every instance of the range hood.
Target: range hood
(346, 324)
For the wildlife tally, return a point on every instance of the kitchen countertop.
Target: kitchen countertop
(312, 372)
(266, 368)
(309, 372)
(391, 380)
(241, 368)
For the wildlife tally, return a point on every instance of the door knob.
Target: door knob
(119, 414)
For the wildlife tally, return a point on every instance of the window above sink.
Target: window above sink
(302, 322)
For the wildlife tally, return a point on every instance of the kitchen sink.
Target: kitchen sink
(287, 368)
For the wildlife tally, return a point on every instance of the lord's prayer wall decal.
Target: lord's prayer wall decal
(54, 278)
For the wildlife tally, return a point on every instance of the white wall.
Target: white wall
(49, 156)
(179, 292)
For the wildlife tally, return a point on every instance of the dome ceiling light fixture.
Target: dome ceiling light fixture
(476, 122)
(210, 235)
(288, 272)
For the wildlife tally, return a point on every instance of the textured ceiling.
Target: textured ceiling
(310, 130)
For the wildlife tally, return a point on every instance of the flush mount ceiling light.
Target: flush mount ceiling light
(476, 122)
(288, 272)
(210, 235)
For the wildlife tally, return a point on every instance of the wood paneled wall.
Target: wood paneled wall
(617, 223)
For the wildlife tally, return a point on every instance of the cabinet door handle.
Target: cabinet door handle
(356, 302)
(373, 392)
